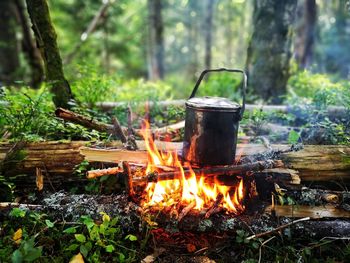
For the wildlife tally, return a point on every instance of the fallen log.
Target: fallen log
(314, 212)
(315, 164)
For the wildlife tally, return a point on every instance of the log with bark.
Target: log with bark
(315, 164)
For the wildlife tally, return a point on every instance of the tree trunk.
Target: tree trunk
(46, 39)
(208, 33)
(9, 49)
(156, 41)
(29, 47)
(269, 48)
(305, 30)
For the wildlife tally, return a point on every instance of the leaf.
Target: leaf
(293, 137)
(70, 230)
(78, 258)
(49, 223)
(84, 250)
(121, 257)
(33, 254)
(110, 248)
(80, 237)
(131, 237)
(17, 212)
(105, 217)
(72, 247)
(17, 236)
(17, 256)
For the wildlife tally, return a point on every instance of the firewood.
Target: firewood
(186, 210)
(214, 208)
(102, 172)
(227, 170)
(314, 212)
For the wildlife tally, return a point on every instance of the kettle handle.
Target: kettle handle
(244, 84)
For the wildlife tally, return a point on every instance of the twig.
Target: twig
(263, 244)
(214, 208)
(186, 210)
(102, 172)
(278, 228)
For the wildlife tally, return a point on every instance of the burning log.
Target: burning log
(215, 207)
(227, 170)
(102, 172)
(186, 210)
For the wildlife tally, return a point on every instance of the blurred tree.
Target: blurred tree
(156, 41)
(305, 32)
(9, 49)
(46, 40)
(28, 45)
(208, 28)
(269, 49)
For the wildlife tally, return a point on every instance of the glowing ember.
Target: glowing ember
(186, 190)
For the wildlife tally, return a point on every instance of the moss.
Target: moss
(47, 41)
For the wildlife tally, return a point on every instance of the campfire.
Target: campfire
(190, 190)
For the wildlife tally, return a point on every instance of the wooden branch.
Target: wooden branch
(84, 121)
(214, 208)
(227, 170)
(279, 228)
(186, 210)
(102, 172)
(90, 123)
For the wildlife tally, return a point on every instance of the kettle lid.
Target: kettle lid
(213, 103)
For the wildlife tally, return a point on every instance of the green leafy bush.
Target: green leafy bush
(318, 89)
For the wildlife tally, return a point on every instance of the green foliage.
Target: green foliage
(96, 240)
(92, 87)
(318, 89)
(30, 236)
(222, 84)
(29, 115)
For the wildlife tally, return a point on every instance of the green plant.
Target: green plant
(105, 239)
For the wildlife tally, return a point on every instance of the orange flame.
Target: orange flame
(186, 189)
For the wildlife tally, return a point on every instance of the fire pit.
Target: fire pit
(172, 185)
